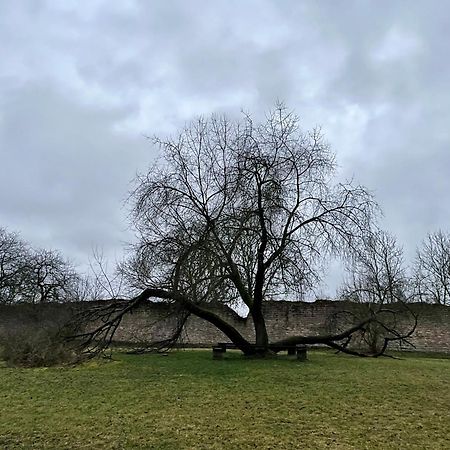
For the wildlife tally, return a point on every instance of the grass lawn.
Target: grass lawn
(187, 400)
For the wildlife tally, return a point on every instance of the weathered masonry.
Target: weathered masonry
(151, 322)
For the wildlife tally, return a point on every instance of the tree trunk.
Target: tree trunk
(261, 336)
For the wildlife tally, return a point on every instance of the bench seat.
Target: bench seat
(297, 349)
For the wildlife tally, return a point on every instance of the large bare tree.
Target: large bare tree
(240, 213)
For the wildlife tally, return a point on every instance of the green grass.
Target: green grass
(188, 401)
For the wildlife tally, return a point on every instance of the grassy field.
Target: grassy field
(188, 401)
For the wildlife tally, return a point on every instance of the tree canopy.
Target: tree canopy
(34, 275)
(239, 212)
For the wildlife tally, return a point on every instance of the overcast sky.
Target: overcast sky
(82, 82)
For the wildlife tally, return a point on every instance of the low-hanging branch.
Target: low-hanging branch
(111, 314)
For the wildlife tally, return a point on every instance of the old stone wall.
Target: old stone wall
(153, 322)
(283, 319)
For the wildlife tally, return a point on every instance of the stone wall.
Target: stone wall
(152, 322)
(283, 319)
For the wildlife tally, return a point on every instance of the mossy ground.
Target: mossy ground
(187, 400)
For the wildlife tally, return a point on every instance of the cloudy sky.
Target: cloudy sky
(82, 83)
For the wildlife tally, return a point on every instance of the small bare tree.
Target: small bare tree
(377, 274)
(432, 269)
(377, 278)
(104, 282)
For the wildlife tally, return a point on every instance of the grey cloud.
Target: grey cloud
(80, 84)
(64, 171)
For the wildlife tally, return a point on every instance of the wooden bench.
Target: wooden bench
(298, 349)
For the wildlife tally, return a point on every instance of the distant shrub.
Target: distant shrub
(31, 345)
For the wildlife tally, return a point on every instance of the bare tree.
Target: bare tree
(240, 213)
(13, 256)
(377, 274)
(35, 276)
(104, 282)
(377, 278)
(432, 269)
(50, 278)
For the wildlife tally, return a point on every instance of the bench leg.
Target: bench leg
(301, 352)
(218, 352)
